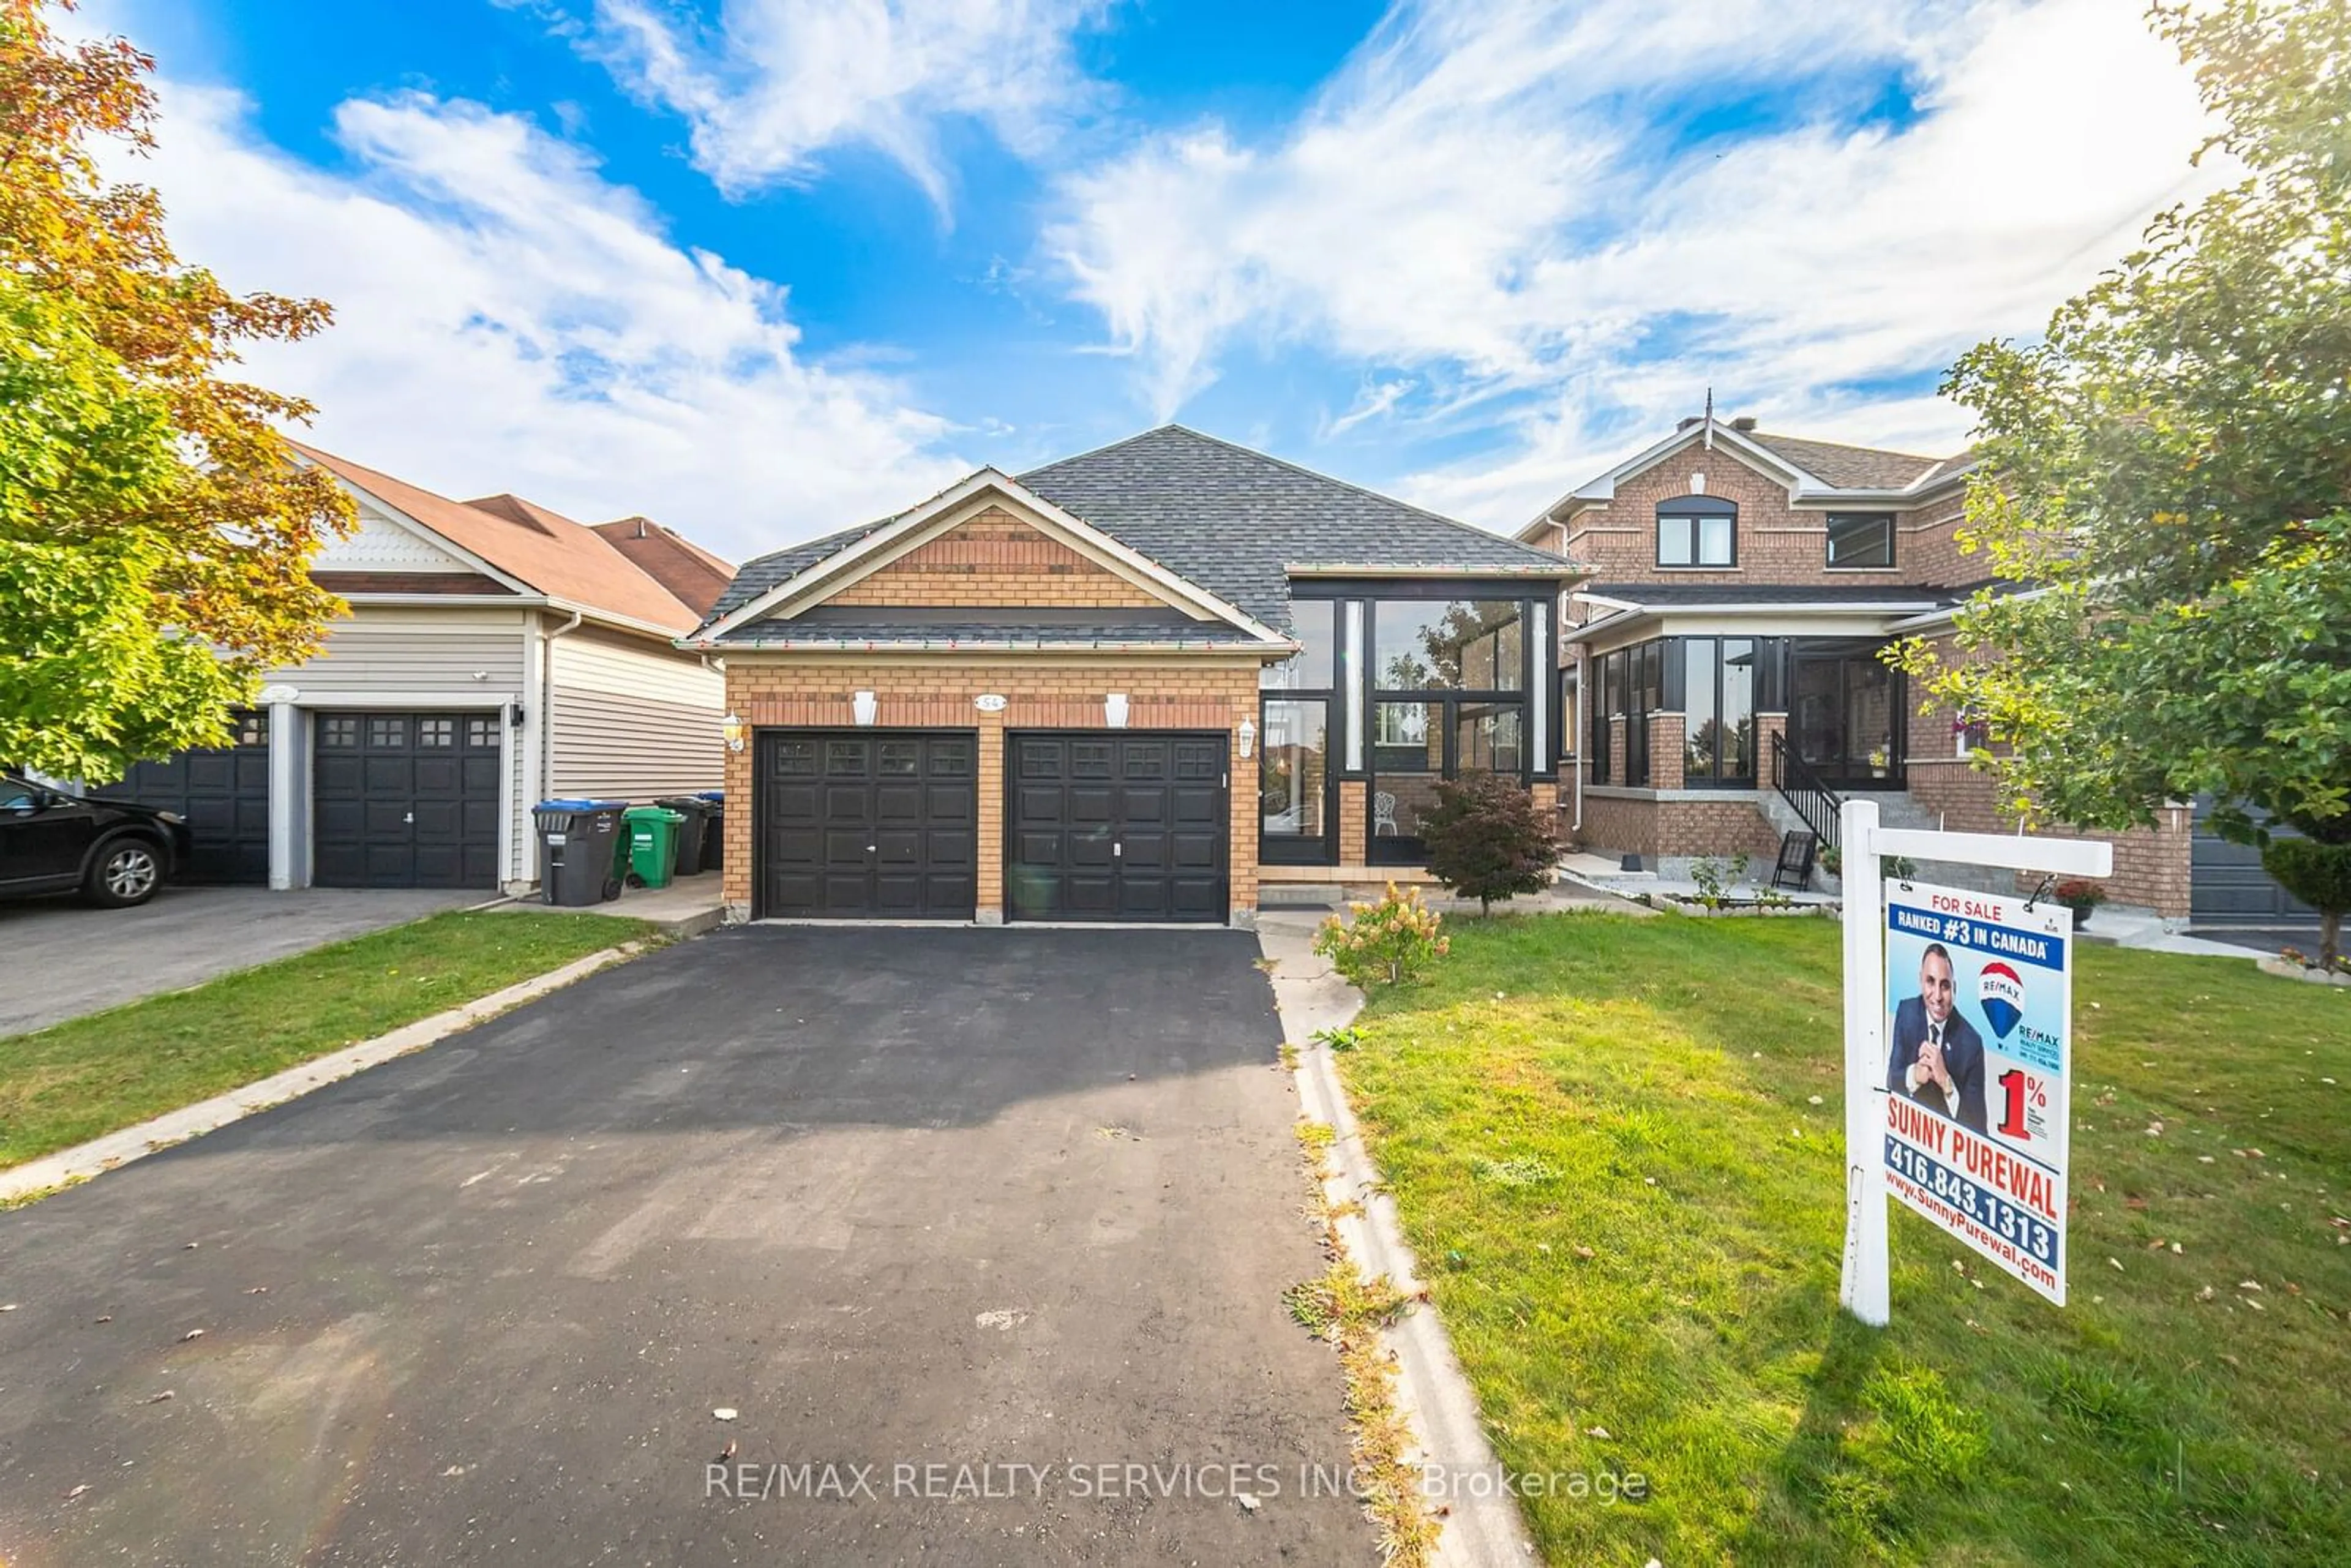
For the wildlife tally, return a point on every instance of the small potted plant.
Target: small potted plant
(1880, 761)
(2082, 898)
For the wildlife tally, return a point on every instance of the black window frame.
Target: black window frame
(1690, 509)
(1644, 694)
(1828, 549)
(1305, 849)
(1525, 695)
(1756, 654)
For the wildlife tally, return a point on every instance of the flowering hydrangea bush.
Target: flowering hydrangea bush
(1390, 942)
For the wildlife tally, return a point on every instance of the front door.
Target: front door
(1845, 714)
(1117, 825)
(1296, 812)
(868, 824)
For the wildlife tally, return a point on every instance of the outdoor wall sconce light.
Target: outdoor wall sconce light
(1248, 733)
(731, 726)
(1114, 710)
(514, 715)
(862, 707)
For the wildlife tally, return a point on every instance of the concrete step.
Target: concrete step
(1299, 895)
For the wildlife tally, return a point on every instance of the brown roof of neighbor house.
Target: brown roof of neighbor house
(672, 559)
(1850, 467)
(567, 561)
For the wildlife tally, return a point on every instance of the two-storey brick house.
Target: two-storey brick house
(1720, 670)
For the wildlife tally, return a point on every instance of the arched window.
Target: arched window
(1698, 531)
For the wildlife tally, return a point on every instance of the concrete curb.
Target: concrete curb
(1432, 1394)
(67, 1167)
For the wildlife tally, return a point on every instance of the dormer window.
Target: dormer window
(1698, 531)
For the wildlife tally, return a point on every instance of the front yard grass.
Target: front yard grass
(90, 1076)
(1617, 1148)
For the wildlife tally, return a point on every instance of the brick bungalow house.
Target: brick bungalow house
(1132, 684)
(1720, 664)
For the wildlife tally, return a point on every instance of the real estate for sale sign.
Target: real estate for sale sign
(1978, 996)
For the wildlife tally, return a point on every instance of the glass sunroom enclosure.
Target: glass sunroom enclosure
(1398, 687)
(1844, 709)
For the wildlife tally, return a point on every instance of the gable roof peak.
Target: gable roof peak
(544, 552)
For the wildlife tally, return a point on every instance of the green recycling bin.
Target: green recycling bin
(651, 832)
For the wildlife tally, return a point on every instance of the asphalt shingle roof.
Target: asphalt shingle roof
(1233, 520)
(1230, 519)
(1850, 467)
(755, 576)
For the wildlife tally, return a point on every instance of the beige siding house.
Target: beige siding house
(496, 654)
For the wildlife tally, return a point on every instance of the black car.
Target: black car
(117, 852)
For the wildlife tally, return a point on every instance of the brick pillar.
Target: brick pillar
(1353, 808)
(1546, 803)
(734, 827)
(989, 830)
(1767, 725)
(1666, 750)
(1616, 750)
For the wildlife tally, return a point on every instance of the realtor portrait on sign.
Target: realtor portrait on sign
(1939, 1058)
(1977, 1069)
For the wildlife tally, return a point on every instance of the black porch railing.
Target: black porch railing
(1809, 799)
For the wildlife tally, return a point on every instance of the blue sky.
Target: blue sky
(763, 267)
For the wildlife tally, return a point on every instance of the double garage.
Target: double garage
(1097, 825)
(398, 798)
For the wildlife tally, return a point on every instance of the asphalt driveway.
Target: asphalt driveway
(66, 958)
(1018, 1205)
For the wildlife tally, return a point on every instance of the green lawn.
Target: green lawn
(1603, 1136)
(74, 1081)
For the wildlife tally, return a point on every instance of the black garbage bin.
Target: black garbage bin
(714, 833)
(693, 833)
(575, 850)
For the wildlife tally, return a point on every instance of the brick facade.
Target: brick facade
(1778, 544)
(1630, 822)
(2152, 865)
(994, 559)
(936, 691)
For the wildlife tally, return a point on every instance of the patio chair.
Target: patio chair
(1795, 867)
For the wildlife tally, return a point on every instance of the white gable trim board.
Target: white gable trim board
(956, 505)
(382, 514)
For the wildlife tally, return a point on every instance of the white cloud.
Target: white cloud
(1490, 199)
(777, 82)
(506, 319)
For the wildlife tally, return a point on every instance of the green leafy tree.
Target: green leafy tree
(1485, 840)
(85, 678)
(2171, 483)
(155, 537)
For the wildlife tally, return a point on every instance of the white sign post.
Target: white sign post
(1863, 1291)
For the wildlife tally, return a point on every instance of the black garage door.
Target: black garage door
(223, 792)
(406, 799)
(871, 824)
(1108, 825)
(2228, 886)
